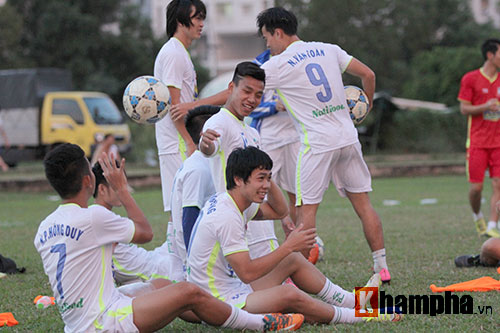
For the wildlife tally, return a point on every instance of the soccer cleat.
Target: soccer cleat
(385, 276)
(392, 317)
(480, 226)
(282, 322)
(467, 260)
(493, 232)
(314, 254)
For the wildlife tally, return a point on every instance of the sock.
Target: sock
(240, 319)
(491, 225)
(344, 316)
(334, 295)
(379, 260)
(136, 289)
(477, 216)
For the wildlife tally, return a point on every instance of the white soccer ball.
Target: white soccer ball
(146, 100)
(358, 103)
(321, 248)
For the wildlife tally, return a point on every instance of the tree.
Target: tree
(387, 34)
(11, 25)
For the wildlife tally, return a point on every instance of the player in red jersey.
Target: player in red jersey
(479, 99)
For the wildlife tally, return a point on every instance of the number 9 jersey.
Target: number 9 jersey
(308, 79)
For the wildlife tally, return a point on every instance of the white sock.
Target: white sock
(344, 316)
(379, 260)
(491, 225)
(240, 319)
(333, 294)
(477, 216)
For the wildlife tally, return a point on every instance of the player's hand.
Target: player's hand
(280, 106)
(301, 239)
(179, 111)
(493, 105)
(207, 141)
(115, 175)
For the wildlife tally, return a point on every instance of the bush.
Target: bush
(424, 131)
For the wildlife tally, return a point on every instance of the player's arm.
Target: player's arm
(249, 270)
(468, 109)
(175, 95)
(367, 76)
(275, 207)
(178, 111)
(189, 217)
(117, 179)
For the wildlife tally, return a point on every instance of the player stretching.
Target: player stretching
(308, 79)
(75, 244)
(219, 260)
(479, 99)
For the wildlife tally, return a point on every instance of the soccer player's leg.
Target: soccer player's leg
(492, 229)
(352, 179)
(312, 180)
(477, 162)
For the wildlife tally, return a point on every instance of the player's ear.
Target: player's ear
(101, 190)
(238, 181)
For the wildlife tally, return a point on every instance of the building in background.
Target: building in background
(485, 11)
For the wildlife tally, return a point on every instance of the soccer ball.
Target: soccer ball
(358, 103)
(146, 100)
(321, 248)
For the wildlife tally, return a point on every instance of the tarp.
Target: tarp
(23, 88)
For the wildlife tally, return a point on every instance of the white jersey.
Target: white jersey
(219, 231)
(308, 79)
(193, 186)
(173, 66)
(75, 245)
(234, 133)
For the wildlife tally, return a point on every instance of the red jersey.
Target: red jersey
(483, 129)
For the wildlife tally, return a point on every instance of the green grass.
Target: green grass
(421, 242)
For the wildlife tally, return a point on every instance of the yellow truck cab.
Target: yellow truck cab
(39, 110)
(82, 118)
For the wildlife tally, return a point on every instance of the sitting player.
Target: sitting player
(489, 256)
(130, 262)
(75, 244)
(193, 183)
(219, 260)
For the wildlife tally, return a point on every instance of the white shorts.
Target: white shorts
(284, 165)
(238, 298)
(345, 167)
(118, 317)
(260, 249)
(169, 164)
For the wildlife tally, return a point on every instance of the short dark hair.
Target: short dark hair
(179, 11)
(248, 68)
(65, 167)
(196, 118)
(243, 161)
(277, 17)
(99, 176)
(490, 45)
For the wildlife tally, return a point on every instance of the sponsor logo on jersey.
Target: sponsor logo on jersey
(327, 110)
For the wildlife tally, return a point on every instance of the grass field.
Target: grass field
(421, 242)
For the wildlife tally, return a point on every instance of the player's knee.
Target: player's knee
(192, 291)
(476, 188)
(291, 295)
